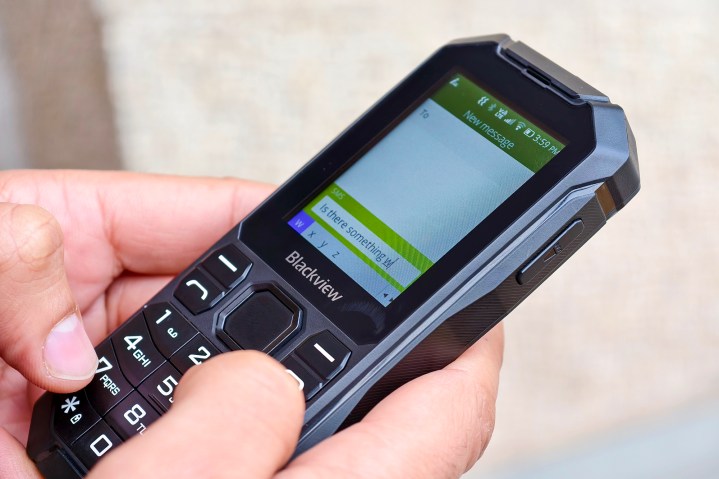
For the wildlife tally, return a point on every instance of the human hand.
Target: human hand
(238, 415)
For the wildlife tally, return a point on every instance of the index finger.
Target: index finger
(147, 224)
(158, 224)
(237, 415)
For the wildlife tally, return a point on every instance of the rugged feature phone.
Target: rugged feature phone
(400, 244)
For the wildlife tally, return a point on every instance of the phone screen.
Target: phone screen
(424, 186)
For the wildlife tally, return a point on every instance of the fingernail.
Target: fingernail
(68, 352)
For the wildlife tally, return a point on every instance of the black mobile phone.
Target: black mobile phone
(400, 244)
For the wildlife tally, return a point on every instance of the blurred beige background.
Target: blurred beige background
(625, 336)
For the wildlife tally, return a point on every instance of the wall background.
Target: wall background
(624, 338)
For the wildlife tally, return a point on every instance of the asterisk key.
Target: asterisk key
(70, 405)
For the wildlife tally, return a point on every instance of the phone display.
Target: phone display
(421, 188)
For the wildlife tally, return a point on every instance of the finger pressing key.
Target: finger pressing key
(41, 331)
(236, 416)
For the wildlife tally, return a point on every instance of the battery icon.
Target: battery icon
(529, 132)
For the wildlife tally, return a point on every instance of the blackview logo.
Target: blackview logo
(297, 261)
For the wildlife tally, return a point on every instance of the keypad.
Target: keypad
(109, 411)
(142, 363)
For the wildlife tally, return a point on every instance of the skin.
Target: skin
(103, 244)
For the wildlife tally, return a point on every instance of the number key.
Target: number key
(109, 385)
(197, 351)
(159, 388)
(168, 328)
(135, 351)
(95, 443)
(132, 416)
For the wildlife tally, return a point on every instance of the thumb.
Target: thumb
(237, 415)
(41, 332)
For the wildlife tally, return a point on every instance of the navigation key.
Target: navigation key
(307, 382)
(197, 292)
(227, 265)
(325, 354)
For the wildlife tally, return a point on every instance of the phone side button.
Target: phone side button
(550, 252)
